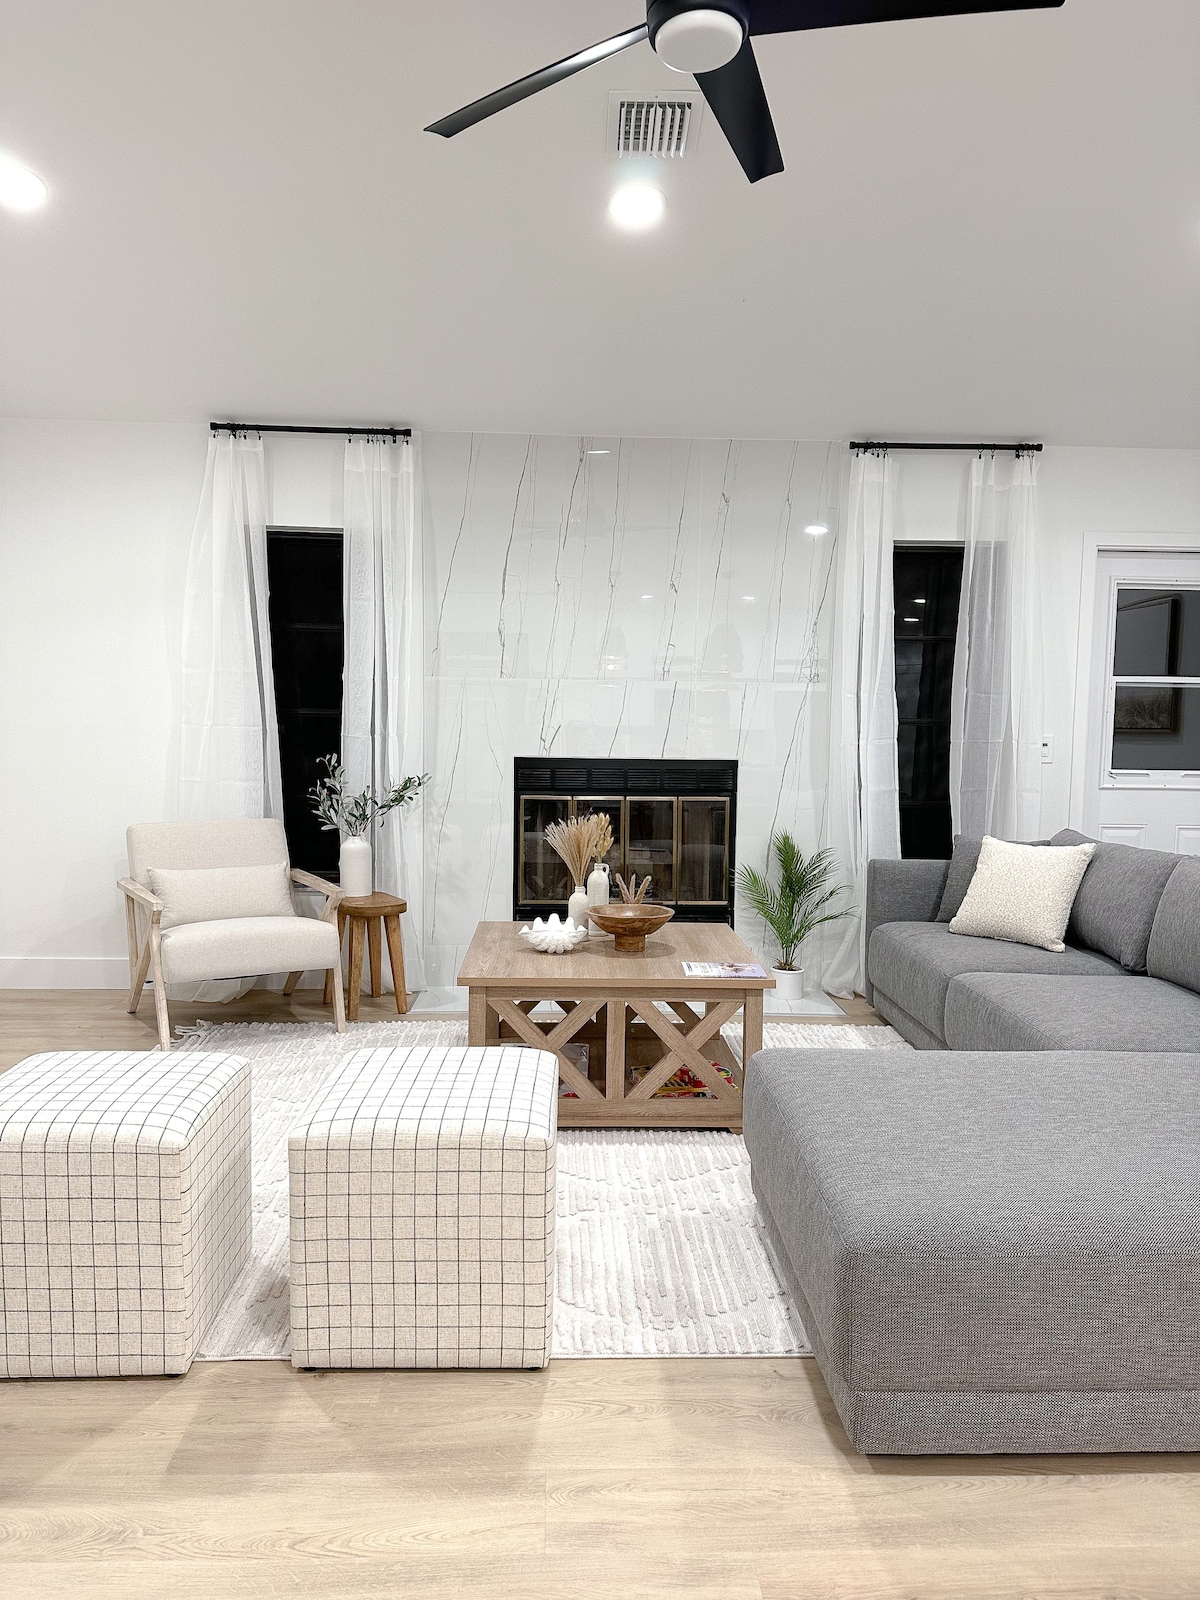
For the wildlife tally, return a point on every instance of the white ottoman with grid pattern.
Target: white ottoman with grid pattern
(124, 1208)
(422, 1211)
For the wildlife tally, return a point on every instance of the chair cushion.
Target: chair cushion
(913, 963)
(1174, 951)
(1003, 1011)
(214, 894)
(235, 842)
(1117, 900)
(244, 947)
(1023, 893)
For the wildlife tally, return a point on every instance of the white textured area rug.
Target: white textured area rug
(661, 1248)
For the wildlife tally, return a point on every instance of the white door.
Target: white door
(1143, 785)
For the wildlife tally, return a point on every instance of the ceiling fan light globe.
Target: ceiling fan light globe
(699, 41)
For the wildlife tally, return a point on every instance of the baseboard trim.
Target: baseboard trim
(64, 972)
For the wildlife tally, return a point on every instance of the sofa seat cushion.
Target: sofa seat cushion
(914, 962)
(244, 947)
(1004, 1011)
(965, 1225)
(1118, 898)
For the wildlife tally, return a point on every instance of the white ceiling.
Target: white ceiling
(989, 226)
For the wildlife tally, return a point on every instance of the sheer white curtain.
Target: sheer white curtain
(996, 709)
(863, 815)
(228, 738)
(228, 761)
(383, 707)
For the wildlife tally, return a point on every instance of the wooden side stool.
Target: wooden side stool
(370, 913)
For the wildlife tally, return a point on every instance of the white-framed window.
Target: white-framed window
(1152, 707)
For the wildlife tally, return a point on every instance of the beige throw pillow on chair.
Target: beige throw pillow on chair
(1023, 893)
(213, 894)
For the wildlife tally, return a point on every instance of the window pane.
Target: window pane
(924, 678)
(305, 607)
(1158, 633)
(927, 585)
(650, 847)
(924, 759)
(544, 877)
(703, 832)
(1156, 730)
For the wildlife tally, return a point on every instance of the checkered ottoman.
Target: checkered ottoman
(124, 1208)
(422, 1201)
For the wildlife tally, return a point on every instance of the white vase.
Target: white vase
(577, 907)
(355, 867)
(789, 986)
(599, 885)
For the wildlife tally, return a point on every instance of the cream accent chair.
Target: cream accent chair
(236, 947)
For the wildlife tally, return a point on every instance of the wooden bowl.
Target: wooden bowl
(629, 925)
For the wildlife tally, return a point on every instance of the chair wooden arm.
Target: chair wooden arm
(333, 894)
(134, 891)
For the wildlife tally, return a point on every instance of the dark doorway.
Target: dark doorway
(304, 573)
(928, 582)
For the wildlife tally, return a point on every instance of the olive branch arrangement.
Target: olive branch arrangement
(355, 814)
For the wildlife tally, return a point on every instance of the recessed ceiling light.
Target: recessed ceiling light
(20, 189)
(919, 602)
(599, 452)
(647, 597)
(912, 619)
(636, 206)
(816, 529)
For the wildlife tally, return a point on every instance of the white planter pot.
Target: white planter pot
(355, 867)
(789, 986)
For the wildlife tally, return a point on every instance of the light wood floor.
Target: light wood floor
(714, 1480)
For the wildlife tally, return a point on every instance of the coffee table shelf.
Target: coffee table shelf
(641, 1020)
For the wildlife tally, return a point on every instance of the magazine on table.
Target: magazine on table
(723, 969)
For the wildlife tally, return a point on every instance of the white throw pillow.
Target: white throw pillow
(212, 894)
(1023, 893)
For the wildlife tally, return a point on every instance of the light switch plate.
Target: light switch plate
(1047, 751)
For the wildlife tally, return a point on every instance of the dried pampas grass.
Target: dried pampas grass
(580, 842)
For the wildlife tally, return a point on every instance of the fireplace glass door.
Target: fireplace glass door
(650, 845)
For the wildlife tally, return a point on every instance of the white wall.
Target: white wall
(94, 526)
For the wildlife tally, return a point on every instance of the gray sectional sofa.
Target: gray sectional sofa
(997, 1249)
(1129, 978)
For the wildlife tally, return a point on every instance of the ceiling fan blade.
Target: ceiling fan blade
(794, 16)
(501, 99)
(738, 100)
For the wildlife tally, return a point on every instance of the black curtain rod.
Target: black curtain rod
(288, 427)
(975, 449)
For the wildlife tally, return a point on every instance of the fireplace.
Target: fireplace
(675, 820)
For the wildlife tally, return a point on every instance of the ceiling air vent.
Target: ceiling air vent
(659, 125)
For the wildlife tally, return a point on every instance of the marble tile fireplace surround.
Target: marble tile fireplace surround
(632, 601)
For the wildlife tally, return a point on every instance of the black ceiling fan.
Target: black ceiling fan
(711, 39)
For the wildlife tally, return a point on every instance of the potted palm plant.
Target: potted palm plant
(793, 905)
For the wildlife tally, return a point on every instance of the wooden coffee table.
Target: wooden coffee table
(632, 1046)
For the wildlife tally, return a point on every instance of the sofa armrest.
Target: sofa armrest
(901, 891)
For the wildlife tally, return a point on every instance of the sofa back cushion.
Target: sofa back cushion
(1174, 951)
(958, 880)
(1118, 898)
